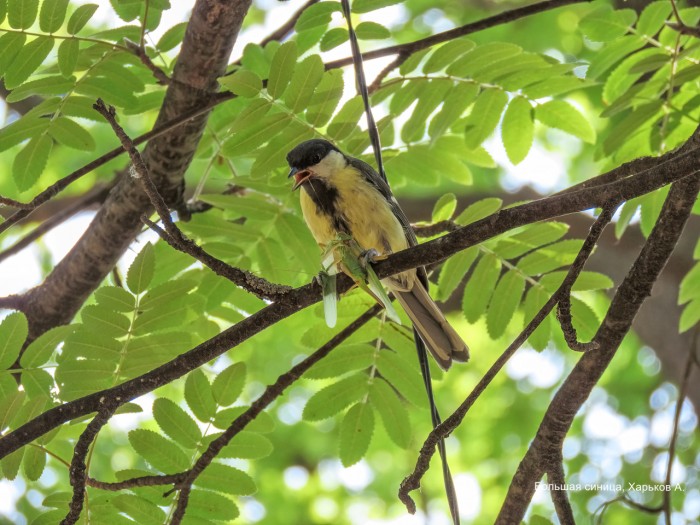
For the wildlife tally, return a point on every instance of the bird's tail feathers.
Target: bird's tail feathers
(441, 339)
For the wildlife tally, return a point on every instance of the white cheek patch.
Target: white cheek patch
(331, 163)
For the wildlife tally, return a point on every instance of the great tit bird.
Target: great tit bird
(344, 195)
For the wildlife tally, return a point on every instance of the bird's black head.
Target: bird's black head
(309, 153)
(313, 159)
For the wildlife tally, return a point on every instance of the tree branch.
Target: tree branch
(573, 393)
(78, 468)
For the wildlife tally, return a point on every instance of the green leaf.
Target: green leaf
(446, 54)
(326, 97)
(317, 15)
(115, 298)
(49, 85)
(169, 316)
(247, 445)
(10, 46)
(356, 433)
(243, 82)
(229, 383)
(518, 129)
(263, 422)
(690, 315)
(41, 349)
(454, 270)
(307, 75)
(176, 423)
(245, 141)
(226, 479)
(166, 293)
(504, 302)
(21, 14)
(430, 98)
(68, 56)
(403, 376)
(80, 17)
(534, 301)
(199, 396)
(550, 257)
(330, 400)
(282, 68)
(30, 162)
(444, 208)
(478, 290)
(365, 6)
(371, 31)
(612, 53)
(333, 38)
(347, 118)
(604, 25)
(37, 383)
(27, 61)
(160, 452)
(210, 506)
(584, 319)
(346, 358)
(141, 270)
(561, 115)
(479, 210)
(690, 285)
(53, 13)
(622, 78)
(294, 234)
(141, 510)
(391, 410)
(653, 17)
(69, 133)
(454, 105)
(33, 463)
(640, 118)
(172, 37)
(101, 320)
(484, 116)
(482, 58)
(13, 332)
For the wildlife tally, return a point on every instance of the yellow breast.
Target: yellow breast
(365, 211)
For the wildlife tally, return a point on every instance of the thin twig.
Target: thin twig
(676, 424)
(175, 238)
(564, 305)
(78, 468)
(492, 21)
(412, 481)
(140, 52)
(271, 393)
(285, 29)
(59, 217)
(141, 481)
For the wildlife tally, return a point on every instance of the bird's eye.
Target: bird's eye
(317, 158)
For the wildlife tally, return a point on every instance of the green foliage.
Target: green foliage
(689, 293)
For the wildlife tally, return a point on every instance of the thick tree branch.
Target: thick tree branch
(425, 254)
(630, 295)
(205, 51)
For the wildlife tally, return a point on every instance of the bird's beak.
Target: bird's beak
(300, 177)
